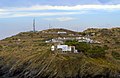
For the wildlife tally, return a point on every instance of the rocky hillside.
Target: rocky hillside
(26, 55)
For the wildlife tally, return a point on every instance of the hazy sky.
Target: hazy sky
(17, 15)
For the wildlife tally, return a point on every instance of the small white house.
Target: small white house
(52, 48)
(78, 38)
(19, 39)
(61, 32)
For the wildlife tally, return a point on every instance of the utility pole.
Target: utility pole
(49, 26)
(77, 29)
(34, 25)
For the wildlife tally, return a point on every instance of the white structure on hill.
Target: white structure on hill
(79, 39)
(64, 48)
(53, 48)
(54, 41)
(59, 32)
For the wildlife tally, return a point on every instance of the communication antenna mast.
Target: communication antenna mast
(34, 25)
(50, 26)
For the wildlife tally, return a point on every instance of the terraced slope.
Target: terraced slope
(26, 55)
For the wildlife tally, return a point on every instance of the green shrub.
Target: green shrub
(42, 44)
(81, 47)
(96, 52)
(87, 49)
(106, 47)
(116, 55)
(1, 47)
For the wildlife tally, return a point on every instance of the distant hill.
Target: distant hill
(26, 55)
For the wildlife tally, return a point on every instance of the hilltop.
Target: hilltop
(60, 30)
(26, 55)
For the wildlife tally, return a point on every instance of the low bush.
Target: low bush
(87, 49)
(1, 47)
(116, 55)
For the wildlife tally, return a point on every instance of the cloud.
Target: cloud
(61, 19)
(76, 7)
(1, 10)
(32, 14)
(65, 19)
(47, 10)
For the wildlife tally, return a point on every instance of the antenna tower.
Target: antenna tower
(34, 25)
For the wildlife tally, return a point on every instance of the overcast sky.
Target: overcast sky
(17, 15)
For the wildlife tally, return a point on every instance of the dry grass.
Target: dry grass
(32, 58)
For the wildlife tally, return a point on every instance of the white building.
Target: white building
(61, 32)
(54, 41)
(64, 48)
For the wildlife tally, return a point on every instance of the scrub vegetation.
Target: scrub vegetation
(26, 55)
